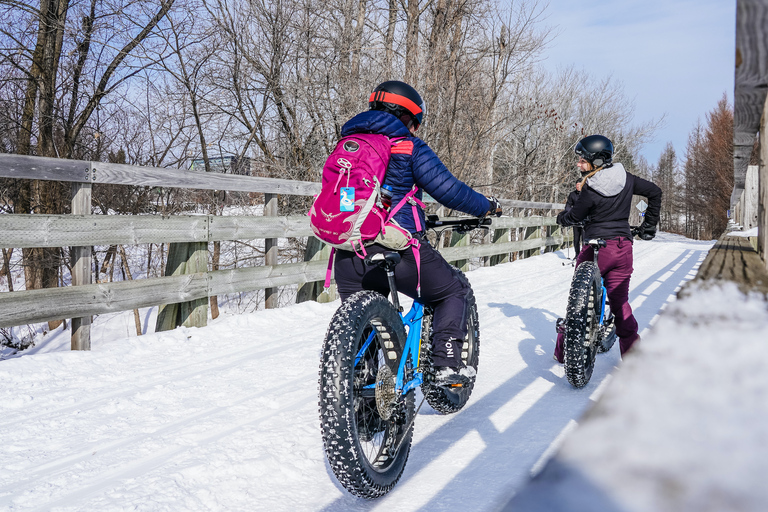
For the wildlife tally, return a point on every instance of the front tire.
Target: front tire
(581, 324)
(366, 442)
(440, 399)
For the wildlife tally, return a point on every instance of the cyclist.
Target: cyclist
(397, 110)
(604, 205)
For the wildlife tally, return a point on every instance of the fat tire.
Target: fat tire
(439, 398)
(581, 324)
(340, 390)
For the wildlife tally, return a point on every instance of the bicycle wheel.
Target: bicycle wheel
(581, 324)
(365, 426)
(443, 400)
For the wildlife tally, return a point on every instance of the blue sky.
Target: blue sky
(673, 57)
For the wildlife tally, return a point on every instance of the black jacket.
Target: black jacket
(572, 198)
(605, 203)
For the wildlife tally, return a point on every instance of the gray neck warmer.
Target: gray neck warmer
(609, 181)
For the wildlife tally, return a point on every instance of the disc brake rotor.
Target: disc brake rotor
(385, 392)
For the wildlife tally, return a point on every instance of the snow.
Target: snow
(691, 434)
(225, 417)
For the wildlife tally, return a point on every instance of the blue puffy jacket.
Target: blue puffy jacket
(421, 167)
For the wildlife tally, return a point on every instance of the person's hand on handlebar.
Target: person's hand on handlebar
(644, 231)
(494, 207)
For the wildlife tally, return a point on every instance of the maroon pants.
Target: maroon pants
(615, 263)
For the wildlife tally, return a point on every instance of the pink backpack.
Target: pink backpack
(348, 212)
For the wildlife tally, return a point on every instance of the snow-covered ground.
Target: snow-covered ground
(683, 426)
(225, 417)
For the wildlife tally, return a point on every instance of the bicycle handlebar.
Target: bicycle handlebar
(460, 225)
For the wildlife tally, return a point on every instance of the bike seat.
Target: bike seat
(597, 242)
(383, 259)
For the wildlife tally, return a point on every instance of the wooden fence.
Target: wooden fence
(521, 235)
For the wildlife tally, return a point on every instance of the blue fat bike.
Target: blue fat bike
(374, 357)
(589, 324)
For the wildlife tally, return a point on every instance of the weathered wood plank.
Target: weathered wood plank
(512, 203)
(255, 278)
(750, 84)
(19, 308)
(252, 227)
(21, 231)
(733, 259)
(86, 230)
(476, 251)
(31, 167)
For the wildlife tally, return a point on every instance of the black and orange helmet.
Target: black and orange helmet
(398, 98)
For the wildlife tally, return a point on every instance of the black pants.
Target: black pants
(578, 234)
(440, 288)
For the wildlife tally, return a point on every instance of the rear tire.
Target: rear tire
(581, 324)
(440, 399)
(366, 446)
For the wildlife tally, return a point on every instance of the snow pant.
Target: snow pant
(441, 288)
(615, 263)
(578, 234)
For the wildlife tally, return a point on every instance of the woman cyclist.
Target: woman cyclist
(397, 110)
(603, 206)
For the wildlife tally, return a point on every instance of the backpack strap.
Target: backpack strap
(327, 283)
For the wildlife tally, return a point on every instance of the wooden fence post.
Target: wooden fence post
(270, 251)
(195, 312)
(311, 290)
(184, 258)
(500, 235)
(81, 260)
(460, 240)
(530, 233)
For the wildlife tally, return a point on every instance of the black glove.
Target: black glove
(494, 207)
(646, 231)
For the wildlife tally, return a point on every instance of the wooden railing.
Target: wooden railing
(521, 236)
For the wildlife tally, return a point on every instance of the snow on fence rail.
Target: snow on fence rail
(81, 230)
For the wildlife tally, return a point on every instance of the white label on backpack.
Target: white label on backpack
(347, 200)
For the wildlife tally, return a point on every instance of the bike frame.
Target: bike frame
(413, 319)
(604, 292)
(412, 322)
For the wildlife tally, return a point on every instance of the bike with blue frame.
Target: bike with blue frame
(589, 324)
(373, 360)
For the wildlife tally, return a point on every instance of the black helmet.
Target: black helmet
(595, 149)
(398, 98)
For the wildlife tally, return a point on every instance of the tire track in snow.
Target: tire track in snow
(239, 357)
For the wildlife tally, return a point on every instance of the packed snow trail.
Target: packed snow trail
(225, 417)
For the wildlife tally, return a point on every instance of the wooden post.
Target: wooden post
(530, 233)
(270, 250)
(311, 290)
(81, 266)
(184, 258)
(195, 312)
(500, 235)
(459, 240)
(762, 202)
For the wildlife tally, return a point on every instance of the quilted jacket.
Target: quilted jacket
(414, 163)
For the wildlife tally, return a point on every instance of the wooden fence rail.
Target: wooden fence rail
(81, 231)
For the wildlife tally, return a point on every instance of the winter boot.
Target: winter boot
(454, 377)
(559, 356)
